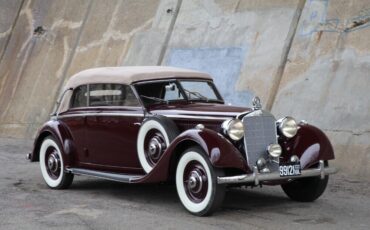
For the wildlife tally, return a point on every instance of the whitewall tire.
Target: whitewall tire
(52, 165)
(196, 183)
(155, 135)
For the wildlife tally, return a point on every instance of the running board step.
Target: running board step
(125, 178)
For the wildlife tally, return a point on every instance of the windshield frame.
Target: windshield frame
(212, 86)
(177, 81)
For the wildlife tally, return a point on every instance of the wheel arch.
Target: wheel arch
(37, 145)
(61, 134)
(220, 152)
(310, 144)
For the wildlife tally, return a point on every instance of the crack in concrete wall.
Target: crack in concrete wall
(175, 12)
(8, 33)
(286, 49)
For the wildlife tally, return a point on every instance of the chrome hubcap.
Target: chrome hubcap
(195, 181)
(155, 146)
(53, 162)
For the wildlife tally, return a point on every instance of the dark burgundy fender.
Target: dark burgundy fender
(310, 145)
(60, 132)
(220, 151)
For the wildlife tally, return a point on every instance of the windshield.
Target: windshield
(199, 90)
(170, 91)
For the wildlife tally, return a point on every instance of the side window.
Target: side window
(112, 95)
(79, 97)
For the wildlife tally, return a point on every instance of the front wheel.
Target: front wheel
(196, 183)
(52, 165)
(306, 189)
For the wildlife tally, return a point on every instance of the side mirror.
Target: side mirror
(171, 87)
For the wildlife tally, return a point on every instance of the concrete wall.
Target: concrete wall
(327, 76)
(305, 58)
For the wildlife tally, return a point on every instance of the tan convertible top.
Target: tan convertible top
(125, 75)
(131, 74)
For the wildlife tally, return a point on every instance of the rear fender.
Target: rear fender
(221, 153)
(310, 144)
(61, 134)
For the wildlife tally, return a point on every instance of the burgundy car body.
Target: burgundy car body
(221, 151)
(84, 133)
(164, 124)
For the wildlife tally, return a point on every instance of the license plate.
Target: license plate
(290, 169)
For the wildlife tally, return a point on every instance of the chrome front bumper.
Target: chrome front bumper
(257, 177)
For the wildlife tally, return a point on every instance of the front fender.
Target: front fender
(61, 134)
(220, 151)
(310, 144)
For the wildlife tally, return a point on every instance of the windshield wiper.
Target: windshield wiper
(154, 98)
(197, 94)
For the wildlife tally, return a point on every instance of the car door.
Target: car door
(112, 128)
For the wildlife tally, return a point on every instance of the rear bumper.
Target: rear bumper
(257, 177)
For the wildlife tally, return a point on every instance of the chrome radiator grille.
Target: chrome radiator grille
(259, 132)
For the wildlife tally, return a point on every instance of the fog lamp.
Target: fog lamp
(274, 150)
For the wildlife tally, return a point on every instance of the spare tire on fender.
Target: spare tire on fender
(155, 135)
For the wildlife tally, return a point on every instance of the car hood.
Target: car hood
(199, 110)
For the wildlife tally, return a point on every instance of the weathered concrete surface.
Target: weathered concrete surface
(33, 63)
(27, 203)
(307, 58)
(8, 16)
(107, 33)
(230, 40)
(75, 35)
(326, 80)
(148, 47)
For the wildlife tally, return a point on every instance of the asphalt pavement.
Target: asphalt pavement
(27, 203)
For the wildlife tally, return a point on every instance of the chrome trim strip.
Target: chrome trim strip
(256, 177)
(103, 114)
(196, 117)
(142, 115)
(186, 112)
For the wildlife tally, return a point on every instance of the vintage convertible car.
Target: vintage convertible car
(165, 124)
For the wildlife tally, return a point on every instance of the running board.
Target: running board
(125, 178)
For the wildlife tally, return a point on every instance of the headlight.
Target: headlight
(234, 129)
(288, 126)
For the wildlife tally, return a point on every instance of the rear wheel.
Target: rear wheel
(196, 183)
(306, 189)
(52, 165)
